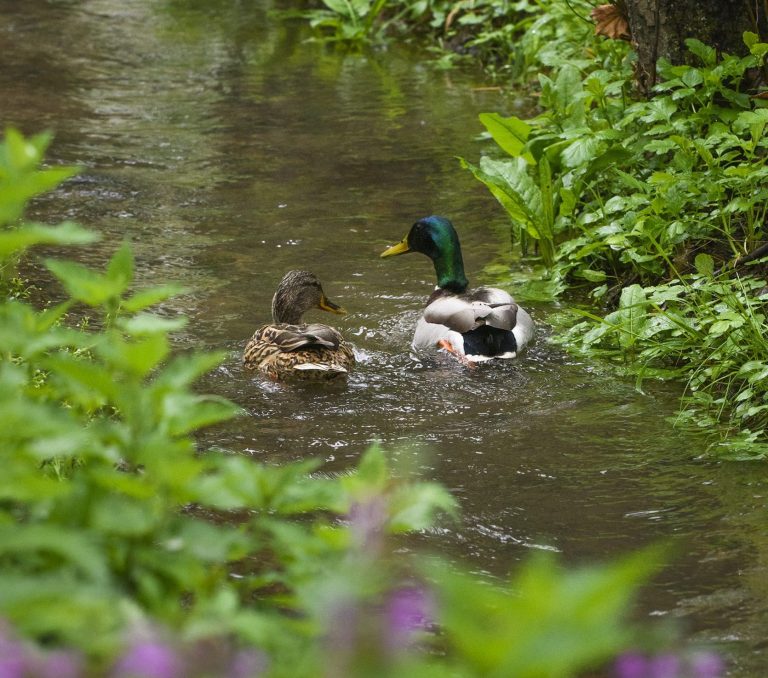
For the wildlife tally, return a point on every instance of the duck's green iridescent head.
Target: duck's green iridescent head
(437, 238)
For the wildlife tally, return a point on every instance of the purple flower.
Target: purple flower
(409, 610)
(19, 660)
(669, 665)
(149, 659)
(664, 666)
(12, 655)
(631, 665)
(11, 665)
(58, 664)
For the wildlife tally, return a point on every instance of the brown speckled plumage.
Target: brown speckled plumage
(288, 349)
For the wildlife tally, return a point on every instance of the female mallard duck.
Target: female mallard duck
(474, 325)
(287, 348)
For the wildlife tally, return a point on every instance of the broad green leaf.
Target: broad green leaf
(68, 233)
(752, 366)
(414, 506)
(41, 430)
(511, 133)
(185, 412)
(613, 156)
(661, 146)
(96, 381)
(27, 333)
(14, 196)
(341, 7)
(660, 109)
(568, 202)
(726, 323)
(747, 118)
(137, 357)
(632, 182)
(568, 94)
(546, 622)
(360, 7)
(182, 371)
(547, 224)
(18, 154)
(510, 183)
(137, 486)
(23, 485)
(60, 605)
(756, 48)
(707, 54)
(692, 77)
(705, 264)
(124, 516)
(120, 267)
(631, 315)
(70, 546)
(592, 275)
(148, 323)
(213, 543)
(373, 469)
(152, 296)
(83, 284)
(755, 121)
(236, 483)
(616, 203)
(581, 152)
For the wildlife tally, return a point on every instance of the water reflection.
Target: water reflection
(230, 150)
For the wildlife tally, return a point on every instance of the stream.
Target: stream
(229, 149)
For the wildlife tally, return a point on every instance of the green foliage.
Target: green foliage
(610, 191)
(97, 449)
(350, 22)
(706, 330)
(111, 518)
(512, 39)
(21, 179)
(641, 203)
(549, 623)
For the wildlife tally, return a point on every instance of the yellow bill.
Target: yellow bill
(327, 305)
(401, 248)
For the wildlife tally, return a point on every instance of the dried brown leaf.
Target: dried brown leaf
(611, 22)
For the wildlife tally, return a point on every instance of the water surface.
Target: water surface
(229, 150)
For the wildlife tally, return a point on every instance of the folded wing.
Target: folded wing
(485, 306)
(297, 337)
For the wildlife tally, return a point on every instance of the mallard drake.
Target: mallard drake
(473, 324)
(287, 348)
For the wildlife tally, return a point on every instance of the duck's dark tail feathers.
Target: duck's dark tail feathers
(489, 341)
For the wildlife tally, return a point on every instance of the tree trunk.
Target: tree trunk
(660, 27)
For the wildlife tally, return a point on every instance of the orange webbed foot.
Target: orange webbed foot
(446, 345)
